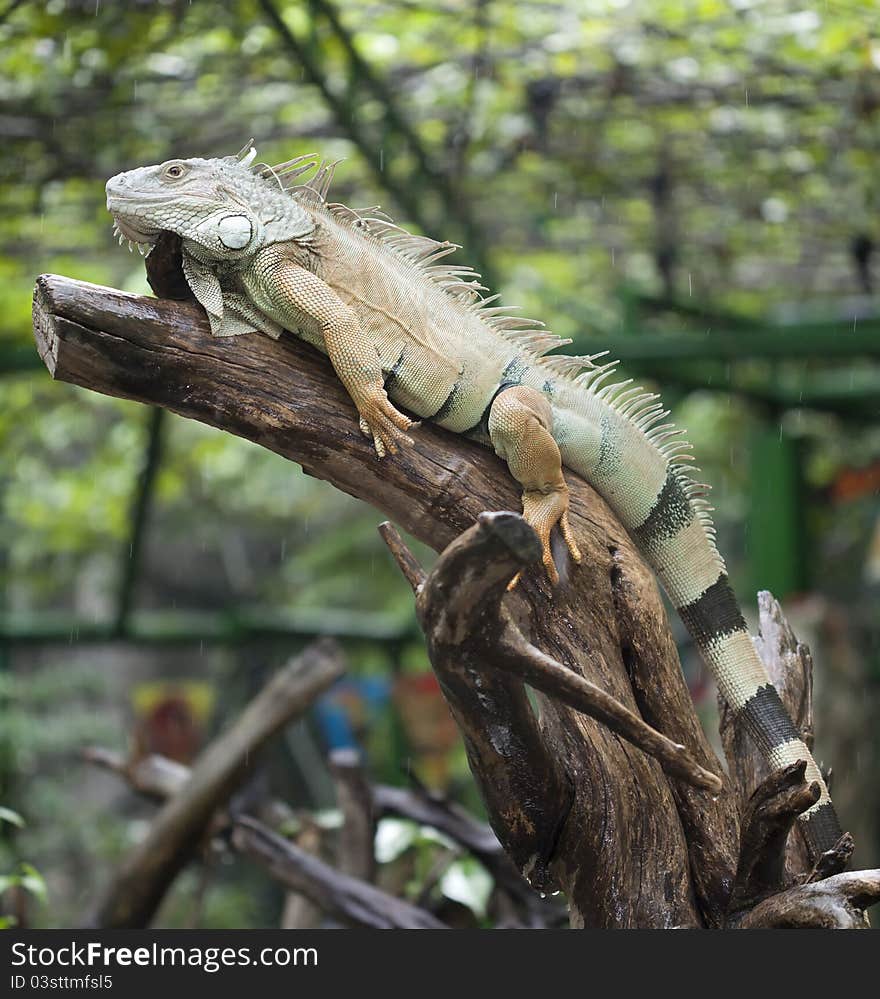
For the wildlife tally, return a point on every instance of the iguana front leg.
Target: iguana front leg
(520, 421)
(299, 299)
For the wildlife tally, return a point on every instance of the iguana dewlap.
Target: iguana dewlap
(403, 328)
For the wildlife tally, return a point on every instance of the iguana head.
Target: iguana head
(221, 208)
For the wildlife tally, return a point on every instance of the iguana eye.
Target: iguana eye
(174, 171)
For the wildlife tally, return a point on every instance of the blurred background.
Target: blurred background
(692, 184)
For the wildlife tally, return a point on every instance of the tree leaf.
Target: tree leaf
(13, 818)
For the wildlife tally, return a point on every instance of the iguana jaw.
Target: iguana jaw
(127, 223)
(137, 237)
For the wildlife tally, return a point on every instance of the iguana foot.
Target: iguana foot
(383, 423)
(520, 427)
(542, 512)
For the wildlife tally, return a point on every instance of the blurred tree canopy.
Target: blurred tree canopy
(719, 154)
(720, 151)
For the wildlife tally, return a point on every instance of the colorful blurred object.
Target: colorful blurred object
(854, 483)
(171, 718)
(349, 708)
(428, 725)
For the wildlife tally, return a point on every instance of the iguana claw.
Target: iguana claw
(385, 425)
(543, 511)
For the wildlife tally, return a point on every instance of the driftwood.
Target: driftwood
(349, 899)
(355, 800)
(576, 807)
(299, 911)
(139, 885)
(314, 887)
(157, 778)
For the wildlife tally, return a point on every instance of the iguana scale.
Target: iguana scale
(264, 251)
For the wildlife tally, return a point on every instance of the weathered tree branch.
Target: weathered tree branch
(466, 626)
(153, 776)
(299, 912)
(475, 837)
(353, 901)
(837, 903)
(460, 600)
(314, 887)
(354, 797)
(575, 807)
(600, 814)
(157, 777)
(768, 819)
(142, 880)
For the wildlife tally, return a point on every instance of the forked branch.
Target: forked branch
(460, 603)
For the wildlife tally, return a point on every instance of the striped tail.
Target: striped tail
(678, 542)
(616, 438)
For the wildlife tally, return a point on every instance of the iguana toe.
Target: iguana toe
(568, 536)
(386, 425)
(543, 511)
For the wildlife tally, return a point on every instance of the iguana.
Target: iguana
(264, 251)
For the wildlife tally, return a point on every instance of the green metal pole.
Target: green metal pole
(775, 539)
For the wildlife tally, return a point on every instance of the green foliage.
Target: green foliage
(11, 817)
(28, 878)
(25, 877)
(431, 855)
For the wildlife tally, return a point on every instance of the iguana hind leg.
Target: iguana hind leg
(520, 423)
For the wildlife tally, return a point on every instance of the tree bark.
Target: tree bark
(349, 899)
(581, 810)
(354, 799)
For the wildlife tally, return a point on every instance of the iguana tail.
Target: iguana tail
(715, 622)
(648, 484)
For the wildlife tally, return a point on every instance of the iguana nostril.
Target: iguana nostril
(116, 185)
